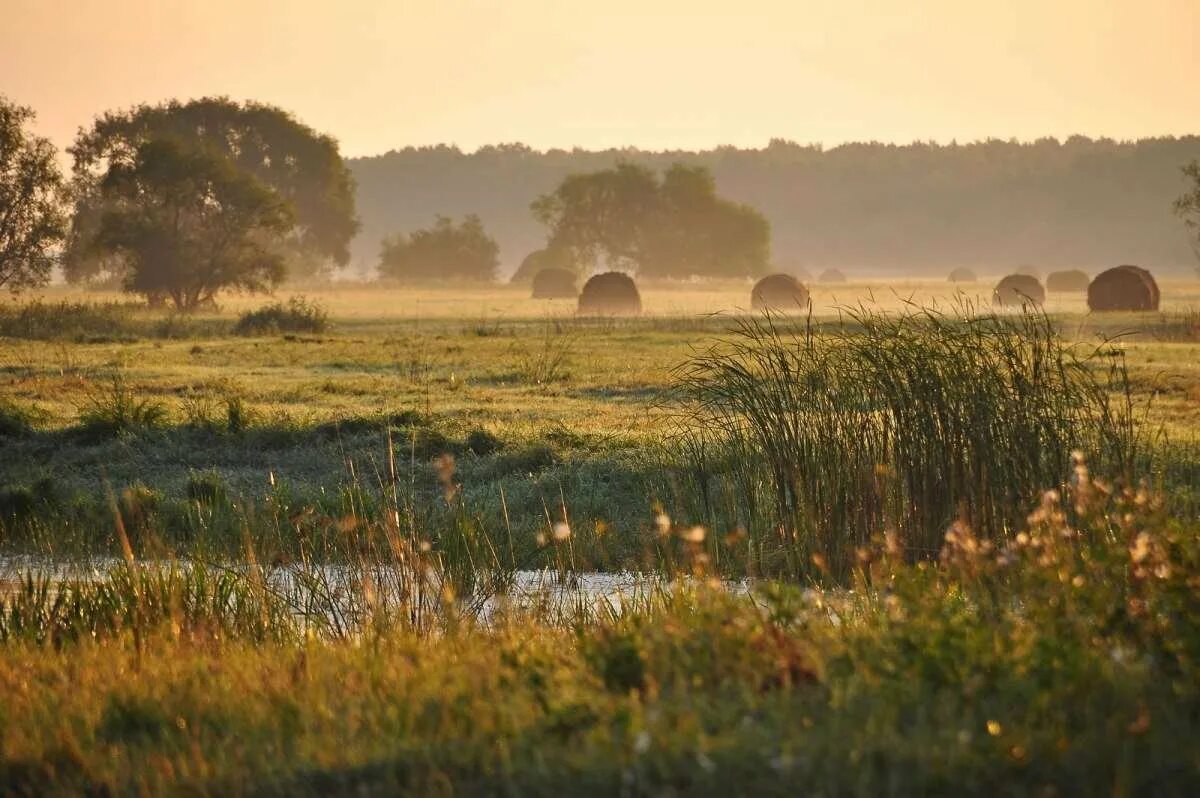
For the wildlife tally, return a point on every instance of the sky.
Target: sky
(656, 74)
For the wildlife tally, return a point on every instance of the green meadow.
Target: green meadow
(381, 540)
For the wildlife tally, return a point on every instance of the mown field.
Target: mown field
(455, 439)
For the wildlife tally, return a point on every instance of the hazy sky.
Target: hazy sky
(652, 73)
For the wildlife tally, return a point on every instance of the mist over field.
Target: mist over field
(880, 209)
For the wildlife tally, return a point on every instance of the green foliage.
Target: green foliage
(905, 421)
(1062, 661)
(298, 315)
(206, 488)
(112, 409)
(443, 252)
(302, 167)
(188, 224)
(32, 222)
(626, 218)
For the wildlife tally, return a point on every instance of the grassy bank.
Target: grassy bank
(1062, 663)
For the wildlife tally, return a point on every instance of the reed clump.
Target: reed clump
(812, 442)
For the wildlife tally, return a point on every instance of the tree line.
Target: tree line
(179, 201)
(920, 208)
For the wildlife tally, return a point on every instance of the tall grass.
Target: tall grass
(99, 322)
(813, 442)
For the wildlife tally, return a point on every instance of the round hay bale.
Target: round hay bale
(961, 275)
(1123, 288)
(832, 276)
(779, 292)
(1069, 280)
(1019, 289)
(610, 294)
(554, 284)
(539, 260)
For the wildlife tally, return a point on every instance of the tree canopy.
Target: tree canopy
(627, 218)
(32, 221)
(188, 223)
(267, 143)
(446, 251)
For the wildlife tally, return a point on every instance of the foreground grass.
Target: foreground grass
(1067, 662)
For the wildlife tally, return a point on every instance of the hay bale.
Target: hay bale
(779, 292)
(1019, 289)
(1069, 280)
(539, 260)
(961, 275)
(1123, 288)
(610, 294)
(832, 276)
(555, 284)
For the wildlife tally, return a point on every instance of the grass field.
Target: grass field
(477, 433)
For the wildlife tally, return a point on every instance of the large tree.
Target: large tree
(627, 218)
(304, 167)
(188, 223)
(1188, 206)
(446, 251)
(32, 222)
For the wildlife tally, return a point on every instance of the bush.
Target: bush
(298, 315)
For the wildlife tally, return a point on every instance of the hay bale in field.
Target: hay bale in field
(1069, 280)
(555, 284)
(610, 294)
(1019, 289)
(832, 276)
(779, 292)
(961, 275)
(1123, 288)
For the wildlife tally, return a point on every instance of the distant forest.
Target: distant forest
(866, 208)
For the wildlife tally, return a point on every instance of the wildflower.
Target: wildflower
(693, 535)
(994, 728)
(561, 531)
(662, 523)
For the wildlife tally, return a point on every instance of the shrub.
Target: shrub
(963, 275)
(297, 315)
